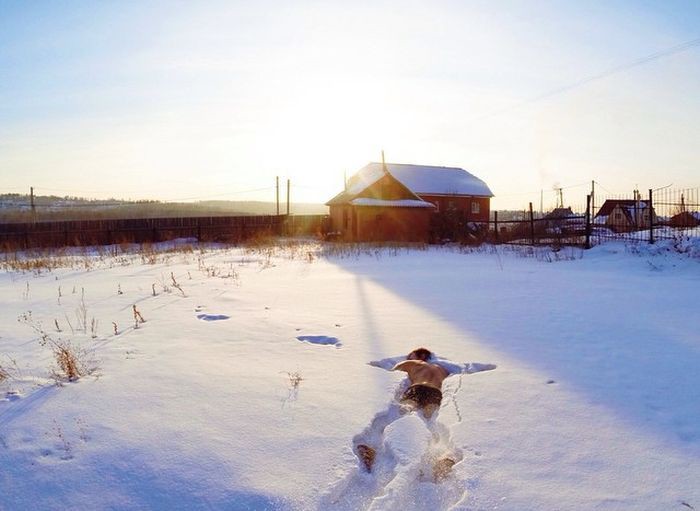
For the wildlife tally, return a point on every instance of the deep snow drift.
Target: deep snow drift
(575, 383)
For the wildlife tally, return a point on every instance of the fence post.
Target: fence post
(532, 226)
(588, 222)
(495, 225)
(651, 217)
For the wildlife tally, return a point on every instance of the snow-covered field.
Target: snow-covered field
(576, 382)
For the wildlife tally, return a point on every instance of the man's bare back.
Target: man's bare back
(423, 372)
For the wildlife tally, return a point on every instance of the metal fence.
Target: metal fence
(651, 216)
(638, 217)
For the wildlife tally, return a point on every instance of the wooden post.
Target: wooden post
(33, 206)
(589, 199)
(277, 193)
(651, 216)
(532, 226)
(495, 225)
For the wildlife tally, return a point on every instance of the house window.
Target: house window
(618, 217)
(476, 208)
(450, 205)
(346, 218)
(437, 206)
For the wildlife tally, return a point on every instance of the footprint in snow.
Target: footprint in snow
(212, 317)
(321, 339)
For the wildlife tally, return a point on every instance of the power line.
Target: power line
(598, 76)
(554, 190)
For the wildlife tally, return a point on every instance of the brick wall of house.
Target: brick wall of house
(475, 209)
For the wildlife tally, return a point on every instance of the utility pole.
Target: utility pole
(593, 197)
(31, 201)
(560, 193)
(541, 202)
(288, 196)
(277, 192)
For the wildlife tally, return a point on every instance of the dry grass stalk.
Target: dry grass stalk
(295, 379)
(138, 318)
(175, 284)
(71, 361)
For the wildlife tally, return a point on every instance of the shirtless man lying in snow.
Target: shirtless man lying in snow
(424, 394)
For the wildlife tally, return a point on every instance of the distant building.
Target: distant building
(625, 214)
(685, 219)
(396, 202)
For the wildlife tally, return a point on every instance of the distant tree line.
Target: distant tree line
(16, 207)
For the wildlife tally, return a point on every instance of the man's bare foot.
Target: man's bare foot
(442, 468)
(367, 455)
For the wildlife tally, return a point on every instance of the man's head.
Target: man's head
(420, 354)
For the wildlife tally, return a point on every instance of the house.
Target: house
(398, 202)
(563, 220)
(685, 219)
(625, 214)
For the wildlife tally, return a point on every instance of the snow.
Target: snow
(252, 387)
(367, 176)
(429, 180)
(405, 203)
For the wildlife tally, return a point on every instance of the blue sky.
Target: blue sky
(176, 100)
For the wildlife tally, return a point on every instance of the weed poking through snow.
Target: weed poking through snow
(295, 380)
(71, 361)
(175, 284)
(138, 318)
(64, 444)
(4, 374)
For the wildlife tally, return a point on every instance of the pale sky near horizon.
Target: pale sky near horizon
(213, 99)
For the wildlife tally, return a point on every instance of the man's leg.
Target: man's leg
(407, 406)
(430, 409)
